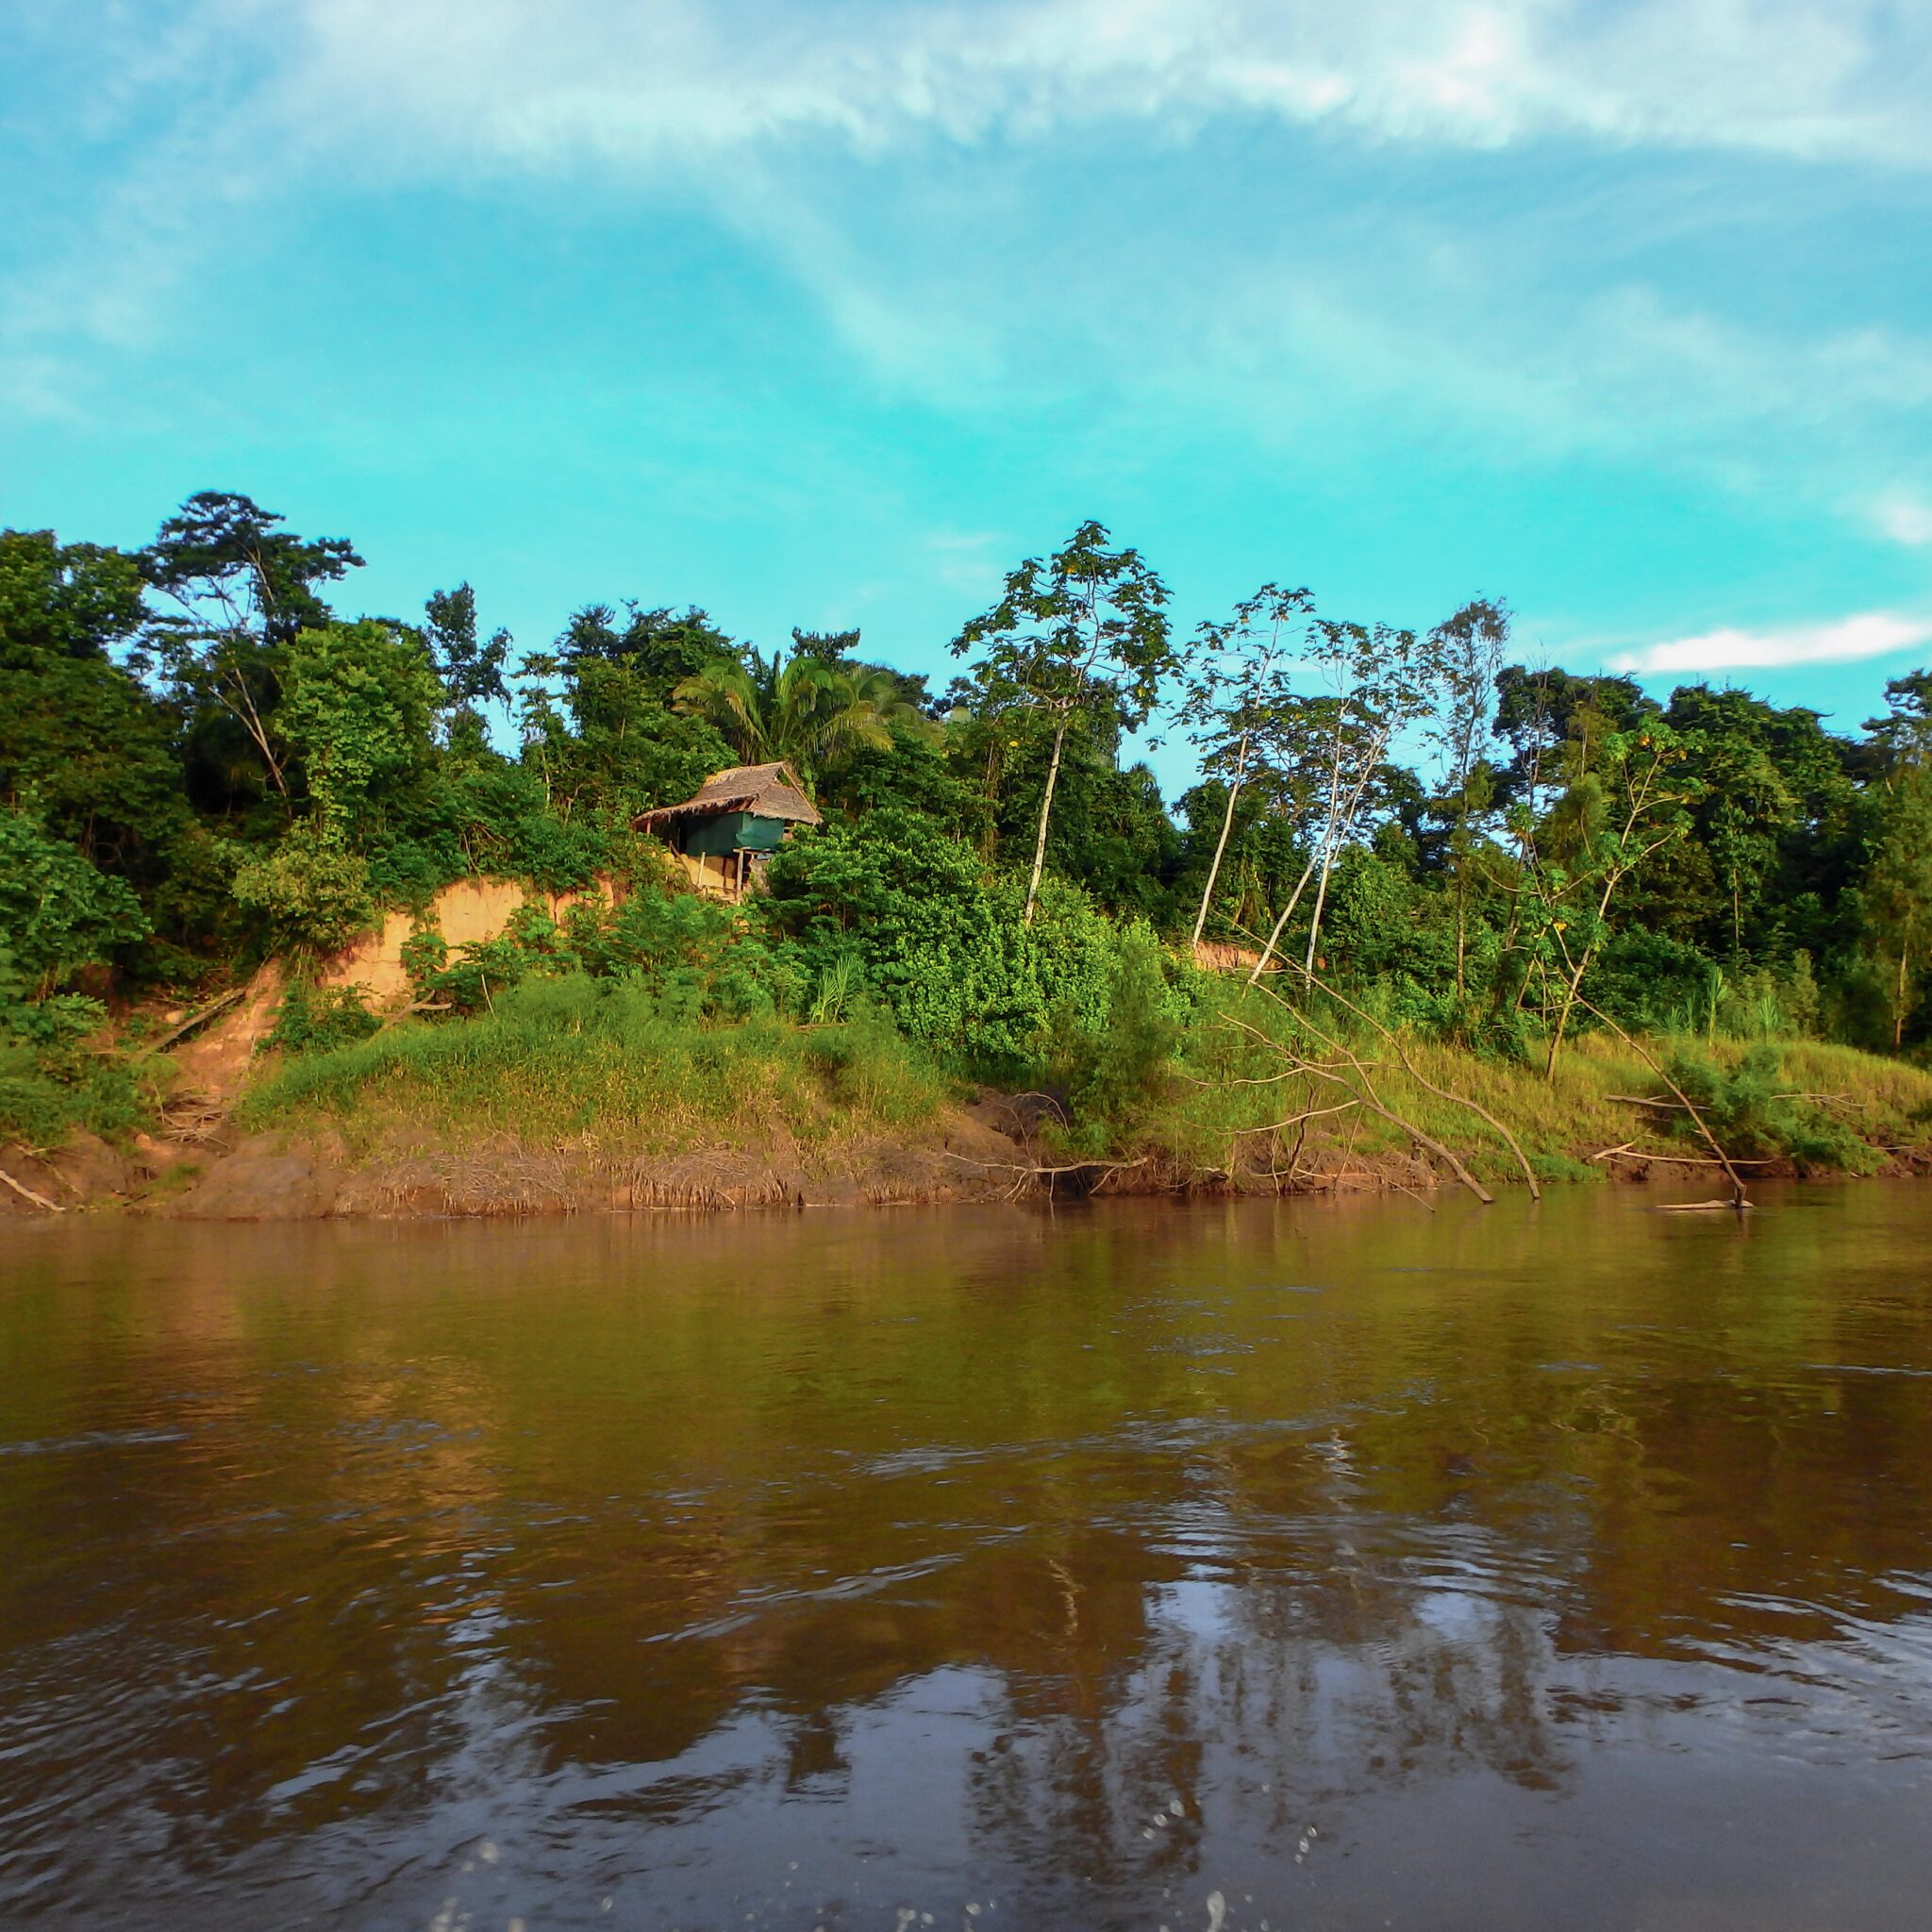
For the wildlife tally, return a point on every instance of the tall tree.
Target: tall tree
(1905, 733)
(1235, 699)
(84, 744)
(662, 647)
(1382, 680)
(807, 711)
(1079, 635)
(244, 588)
(1626, 800)
(1895, 895)
(470, 667)
(1469, 649)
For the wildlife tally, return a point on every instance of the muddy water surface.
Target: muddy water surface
(1340, 1566)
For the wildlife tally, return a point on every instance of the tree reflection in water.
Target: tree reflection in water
(1545, 1565)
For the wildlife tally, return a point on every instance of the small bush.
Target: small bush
(314, 1018)
(55, 1076)
(1755, 1115)
(309, 893)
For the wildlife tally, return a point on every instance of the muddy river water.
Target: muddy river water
(1338, 1565)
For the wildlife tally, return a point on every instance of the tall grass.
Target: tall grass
(572, 1059)
(575, 1062)
(1224, 1096)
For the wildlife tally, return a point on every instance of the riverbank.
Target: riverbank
(562, 1102)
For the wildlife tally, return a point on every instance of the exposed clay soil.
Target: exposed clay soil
(986, 1151)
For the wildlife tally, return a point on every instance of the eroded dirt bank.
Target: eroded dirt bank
(987, 1152)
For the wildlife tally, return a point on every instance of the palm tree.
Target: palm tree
(806, 712)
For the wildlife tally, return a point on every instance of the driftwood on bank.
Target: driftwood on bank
(1361, 1088)
(1631, 1151)
(1422, 1080)
(1025, 1171)
(184, 1027)
(1740, 1200)
(26, 1193)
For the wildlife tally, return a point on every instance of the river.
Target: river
(1339, 1564)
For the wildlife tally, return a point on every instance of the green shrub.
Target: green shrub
(314, 1018)
(55, 1076)
(1755, 1115)
(1115, 1074)
(58, 913)
(309, 893)
(941, 942)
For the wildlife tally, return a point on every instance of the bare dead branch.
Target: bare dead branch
(26, 1193)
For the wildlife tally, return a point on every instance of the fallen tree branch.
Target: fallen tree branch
(1366, 1095)
(1033, 1168)
(414, 1007)
(1739, 1198)
(1314, 1113)
(195, 1020)
(1394, 1040)
(1629, 1151)
(26, 1193)
(1677, 1106)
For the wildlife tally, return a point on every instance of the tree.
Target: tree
(1469, 655)
(66, 600)
(597, 733)
(807, 711)
(1625, 802)
(659, 647)
(357, 704)
(245, 588)
(833, 647)
(1905, 733)
(1334, 747)
(1895, 894)
(58, 913)
(470, 670)
(1235, 696)
(83, 743)
(1081, 634)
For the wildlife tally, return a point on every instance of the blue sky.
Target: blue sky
(826, 313)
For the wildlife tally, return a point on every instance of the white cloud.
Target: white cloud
(516, 84)
(1869, 634)
(822, 132)
(1904, 518)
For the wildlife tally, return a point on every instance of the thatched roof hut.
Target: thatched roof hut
(729, 827)
(758, 792)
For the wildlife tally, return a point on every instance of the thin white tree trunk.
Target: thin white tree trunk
(1321, 900)
(1286, 913)
(1214, 870)
(1053, 776)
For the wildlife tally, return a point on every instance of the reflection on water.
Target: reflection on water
(1258, 1566)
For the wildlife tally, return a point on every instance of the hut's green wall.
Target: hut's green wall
(734, 831)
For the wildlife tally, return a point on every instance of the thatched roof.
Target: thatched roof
(766, 792)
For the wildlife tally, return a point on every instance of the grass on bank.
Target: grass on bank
(572, 1060)
(1824, 1109)
(567, 1060)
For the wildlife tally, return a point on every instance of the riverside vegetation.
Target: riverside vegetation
(1626, 931)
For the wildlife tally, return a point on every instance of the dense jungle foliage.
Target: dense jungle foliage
(205, 760)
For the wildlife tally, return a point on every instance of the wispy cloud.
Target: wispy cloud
(516, 84)
(1904, 517)
(1848, 640)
